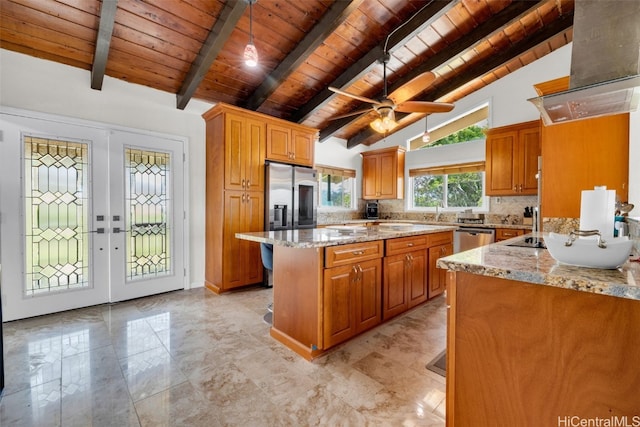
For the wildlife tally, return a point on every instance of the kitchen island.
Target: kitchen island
(531, 342)
(331, 284)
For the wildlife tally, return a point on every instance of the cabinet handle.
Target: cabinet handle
(520, 188)
(410, 244)
(243, 183)
(358, 252)
(360, 271)
(247, 184)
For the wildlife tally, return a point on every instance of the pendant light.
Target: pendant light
(425, 136)
(250, 51)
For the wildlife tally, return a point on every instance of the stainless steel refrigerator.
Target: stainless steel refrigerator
(291, 197)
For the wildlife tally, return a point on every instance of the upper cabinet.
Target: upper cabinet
(383, 174)
(580, 155)
(512, 159)
(290, 144)
(244, 142)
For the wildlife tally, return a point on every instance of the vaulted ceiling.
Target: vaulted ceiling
(194, 49)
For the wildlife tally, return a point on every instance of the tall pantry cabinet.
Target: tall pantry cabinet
(235, 153)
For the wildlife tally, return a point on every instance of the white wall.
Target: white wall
(44, 86)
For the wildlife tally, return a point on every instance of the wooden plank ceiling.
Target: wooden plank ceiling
(194, 49)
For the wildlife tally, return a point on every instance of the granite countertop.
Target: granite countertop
(536, 266)
(441, 223)
(321, 237)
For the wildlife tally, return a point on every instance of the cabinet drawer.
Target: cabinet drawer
(354, 252)
(405, 244)
(508, 233)
(437, 239)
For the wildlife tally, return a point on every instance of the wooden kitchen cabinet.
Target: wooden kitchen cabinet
(383, 174)
(290, 143)
(243, 211)
(352, 291)
(512, 159)
(580, 155)
(508, 233)
(404, 281)
(440, 245)
(235, 196)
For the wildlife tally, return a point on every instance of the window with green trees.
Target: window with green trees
(337, 187)
(452, 186)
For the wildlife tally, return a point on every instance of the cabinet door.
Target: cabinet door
(303, 147)
(232, 274)
(579, 155)
(501, 155)
(437, 276)
(278, 143)
(254, 152)
(368, 295)
(394, 283)
(529, 145)
(370, 167)
(252, 220)
(338, 304)
(387, 176)
(243, 212)
(234, 160)
(418, 278)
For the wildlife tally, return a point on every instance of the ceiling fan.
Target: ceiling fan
(397, 101)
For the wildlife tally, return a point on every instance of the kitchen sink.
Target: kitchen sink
(529, 242)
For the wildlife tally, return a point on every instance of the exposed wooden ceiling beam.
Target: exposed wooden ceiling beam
(225, 24)
(103, 41)
(548, 31)
(496, 24)
(332, 19)
(416, 24)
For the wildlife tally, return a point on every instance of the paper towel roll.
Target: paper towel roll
(597, 210)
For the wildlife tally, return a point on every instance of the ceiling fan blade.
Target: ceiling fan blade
(424, 107)
(351, 95)
(412, 87)
(353, 113)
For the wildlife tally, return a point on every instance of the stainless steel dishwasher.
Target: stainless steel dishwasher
(465, 238)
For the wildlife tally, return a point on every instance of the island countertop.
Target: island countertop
(321, 237)
(536, 266)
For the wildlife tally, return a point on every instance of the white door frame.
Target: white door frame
(11, 187)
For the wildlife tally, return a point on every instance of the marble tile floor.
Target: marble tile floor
(193, 358)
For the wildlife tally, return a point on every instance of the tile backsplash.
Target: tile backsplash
(503, 210)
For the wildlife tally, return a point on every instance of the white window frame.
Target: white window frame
(354, 195)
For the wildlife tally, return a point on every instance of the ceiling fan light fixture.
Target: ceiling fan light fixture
(250, 51)
(386, 122)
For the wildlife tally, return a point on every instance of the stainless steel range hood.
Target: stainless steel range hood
(605, 64)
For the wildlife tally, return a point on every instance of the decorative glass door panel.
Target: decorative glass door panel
(147, 216)
(89, 215)
(147, 197)
(56, 215)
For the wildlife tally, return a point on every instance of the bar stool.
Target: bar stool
(266, 251)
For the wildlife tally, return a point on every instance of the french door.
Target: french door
(88, 215)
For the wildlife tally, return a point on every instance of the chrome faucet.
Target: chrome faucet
(438, 205)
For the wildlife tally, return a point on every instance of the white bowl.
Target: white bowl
(584, 252)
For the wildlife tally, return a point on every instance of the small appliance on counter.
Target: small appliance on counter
(468, 217)
(371, 210)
